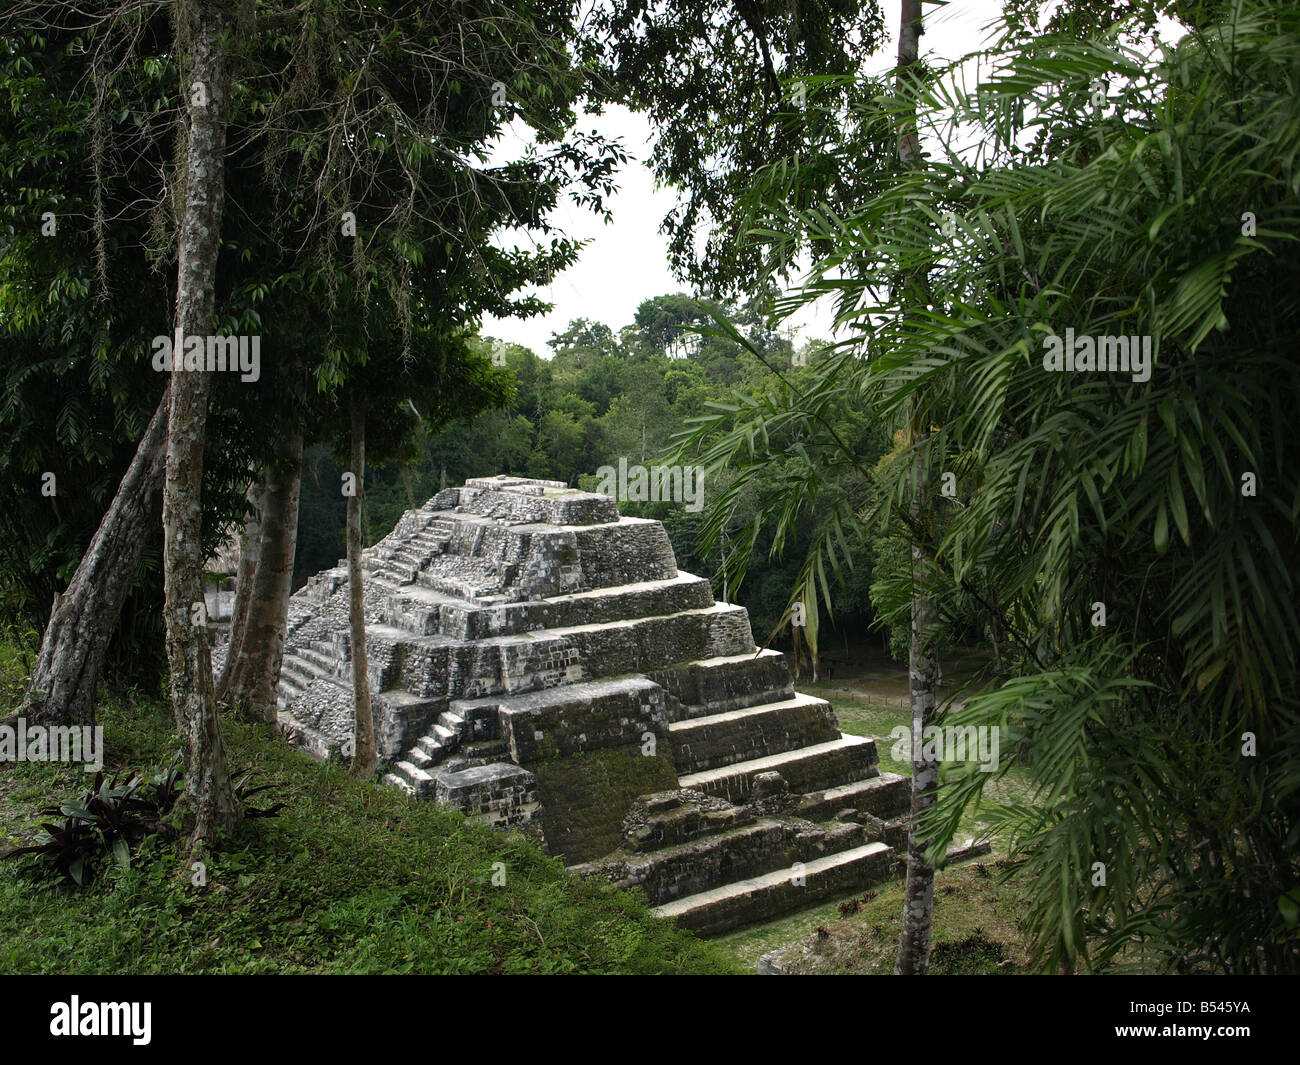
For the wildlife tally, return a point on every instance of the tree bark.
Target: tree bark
(203, 28)
(255, 674)
(61, 690)
(909, 52)
(365, 758)
(249, 550)
(922, 670)
(922, 666)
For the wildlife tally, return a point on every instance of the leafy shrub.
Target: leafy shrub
(110, 819)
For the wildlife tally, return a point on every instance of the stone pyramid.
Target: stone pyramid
(538, 661)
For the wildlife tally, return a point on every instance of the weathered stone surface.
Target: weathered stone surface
(824, 765)
(752, 732)
(716, 685)
(671, 817)
(539, 662)
(501, 794)
(770, 894)
(585, 798)
(554, 723)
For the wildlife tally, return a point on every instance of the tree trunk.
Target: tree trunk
(249, 550)
(203, 27)
(256, 673)
(62, 686)
(922, 666)
(922, 670)
(909, 52)
(365, 758)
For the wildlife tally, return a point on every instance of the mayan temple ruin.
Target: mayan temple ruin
(538, 661)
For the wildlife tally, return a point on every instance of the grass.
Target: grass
(975, 930)
(349, 878)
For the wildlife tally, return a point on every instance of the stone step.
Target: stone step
(417, 756)
(724, 739)
(434, 667)
(728, 682)
(430, 748)
(292, 685)
(296, 673)
(886, 796)
(763, 846)
(399, 782)
(513, 500)
(780, 891)
(408, 557)
(435, 534)
(571, 718)
(317, 661)
(465, 578)
(421, 783)
(634, 645)
(424, 611)
(821, 766)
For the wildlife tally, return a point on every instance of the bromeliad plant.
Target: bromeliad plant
(113, 818)
(110, 818)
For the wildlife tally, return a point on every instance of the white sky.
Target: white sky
(627, 260)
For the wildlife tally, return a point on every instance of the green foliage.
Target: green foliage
(109, 819)
(724, 86)
(112, 818)
(1135, 219)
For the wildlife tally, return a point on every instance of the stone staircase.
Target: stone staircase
(538, 661)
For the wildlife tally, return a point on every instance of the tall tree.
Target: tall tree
(922, 660)
(256, 648)
(365, 758)
(205, 30)
(61, 689)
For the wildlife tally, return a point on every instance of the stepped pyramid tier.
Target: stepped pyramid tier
(538, 661)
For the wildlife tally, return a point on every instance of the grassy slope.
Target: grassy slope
(350, 878)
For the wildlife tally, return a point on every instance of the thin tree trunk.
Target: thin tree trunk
(256, 673)
(922, 670)
(922, 666)
(365, 758)
(62, 686)
(249, 549)
(202, 27)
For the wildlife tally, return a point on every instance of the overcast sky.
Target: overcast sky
(626, 261)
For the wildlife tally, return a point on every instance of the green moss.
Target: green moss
(585, 797)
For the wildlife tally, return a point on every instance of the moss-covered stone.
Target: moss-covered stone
(585, 797)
